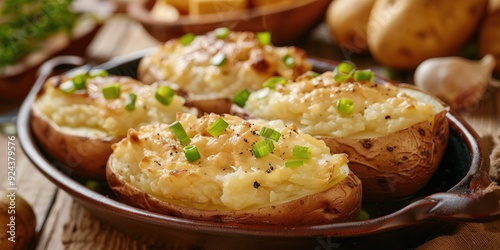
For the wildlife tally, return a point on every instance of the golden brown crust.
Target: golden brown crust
(80, 156)
(340, 203)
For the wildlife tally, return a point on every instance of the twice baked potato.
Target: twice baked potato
(216, 66)
(76, 118)
(394, 135)
(243, 171)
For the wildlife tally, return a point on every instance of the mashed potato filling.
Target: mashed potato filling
(88, 113)
(248, 63)
(228, 175)
(311, 104)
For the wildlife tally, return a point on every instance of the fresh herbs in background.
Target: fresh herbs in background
(24, 23)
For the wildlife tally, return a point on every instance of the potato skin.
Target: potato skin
(340, 203)
(82, 157)
(402, 34)
(348, 24)
(25, 222)
(489, 35)
(399, 164)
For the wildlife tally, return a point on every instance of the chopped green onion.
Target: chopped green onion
(241, 98)
(191, 152)
(301, 152)
(111, 90)
(164, 95)
(264, 38)
(221, 32)
(363, 75)
(363, 215)
(219, 59)
(187, 39)
(272, 81)
(262, 148)
(178, 130)
(93, 185)
(270, 133)
(130, 102)
(80, 80)
(343, 71)
(294, 163)
(217, 127)
(346, 67)
(98, 73)
(312, 74)
(345, 106)
(289, 61)
(67, 87)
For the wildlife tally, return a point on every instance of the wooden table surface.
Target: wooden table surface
(62, 224)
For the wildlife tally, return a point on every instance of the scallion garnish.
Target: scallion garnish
(164, 95)
(221, 32)
(178, 130)
(294, 163)
(219, 59)
(111, 90)
(270, 133)
(217, 127)
(343, 71)
(345, 106)
(301, 152)
(130, 102)
(312, 74)
(289, 61)
(363, 75)
(262, 148)
(264, 38)
(363, 215)
(272, 81)
(191, 152)
(93, 73)
(241, 98)
(187, 39)
(80, 80)
(67, 87)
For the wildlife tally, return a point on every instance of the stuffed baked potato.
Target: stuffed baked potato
(395, 135)
(76, 118)
(210, 69)
(249, 172)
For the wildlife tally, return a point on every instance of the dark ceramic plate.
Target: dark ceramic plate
(457, 192)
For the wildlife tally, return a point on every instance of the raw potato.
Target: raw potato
(402, 34)
(25, 221)
(340, 203)
(348, 23)
(489, 37)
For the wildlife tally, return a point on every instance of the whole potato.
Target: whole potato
(489, 36)
(402, 34)
(18, 221)
(348, 24)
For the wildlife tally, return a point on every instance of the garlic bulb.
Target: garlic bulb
(457, 81)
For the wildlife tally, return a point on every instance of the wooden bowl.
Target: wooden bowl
(15, 85)
(286, 21)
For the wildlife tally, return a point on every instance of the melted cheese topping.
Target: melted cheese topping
(227, 176)
(88, 113)
(248, 64)
(311, 103)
